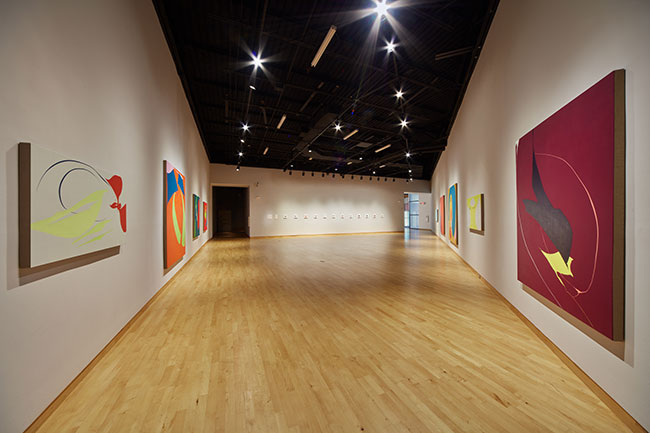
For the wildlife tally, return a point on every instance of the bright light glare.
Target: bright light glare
(246, 127)
(399, 94)
(257, 61)
(408, 154)
(403, 122)
(241, 153)
(337, 126)
(390, 47)
(382, 8)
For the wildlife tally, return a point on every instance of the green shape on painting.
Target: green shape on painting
(98, 227)
(73, 222)
(96, 238)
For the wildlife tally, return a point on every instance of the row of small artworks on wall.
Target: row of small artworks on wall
(342, 176)
(570, 200)
(68, 208)
(324, 217)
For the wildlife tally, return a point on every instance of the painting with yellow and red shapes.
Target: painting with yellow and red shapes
(571, 208)
(174, 224)
(205, 217)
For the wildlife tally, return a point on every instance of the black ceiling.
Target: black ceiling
(437, 44)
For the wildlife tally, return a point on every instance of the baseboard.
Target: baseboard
(616, 408)
(40, 420)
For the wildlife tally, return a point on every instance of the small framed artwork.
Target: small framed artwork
(476, 215)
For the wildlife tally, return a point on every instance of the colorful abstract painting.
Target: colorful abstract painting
(205, 217)
(442, 215)
(571, 208)
(174, 216)
(196, 216)
(68, 207)
(476, 214)
(453, 214)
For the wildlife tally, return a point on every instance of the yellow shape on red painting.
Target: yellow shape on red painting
(558, 265)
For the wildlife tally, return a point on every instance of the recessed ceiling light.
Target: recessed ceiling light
(242, 140)
(252, 87)
(323, 45)
(399, 94)
(390, 47)
(237, 168)
(246, 127)
(374, 172)
(350, 134)
(361, 158)
(403, 122)
(337, 126)
(382, 148)
(282, 119)
(241, 153)
(408, 154)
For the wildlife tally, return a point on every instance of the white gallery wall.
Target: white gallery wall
(538, 56)
(375, 206)
(92, 80)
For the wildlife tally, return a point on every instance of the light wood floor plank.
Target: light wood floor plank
(373, 333)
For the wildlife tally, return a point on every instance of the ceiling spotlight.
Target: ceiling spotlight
(382, 148)
(323, 46)
(408, 154)
(382, 166)
(410, 171)
(349, 163)
(403, 122)
(246, 128)
(374, 172)
(310, 158)
(336, 169)
(242, 140)
(291, 165)
(241, 153)
(350, 134)
(252, 87)
(237, 168)
(399, 94)
(337, 126)
(265, 150)
(257, 61)
(382, 8)
(390, 47)
(361, 158)
(282, 119)
(309, 150)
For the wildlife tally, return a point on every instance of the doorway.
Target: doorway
(230, 211)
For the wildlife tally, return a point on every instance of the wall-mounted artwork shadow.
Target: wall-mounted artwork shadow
(571, 207)
(476, 214)
(453, 214)
(67, 207)
(196, 216)
(174, 215)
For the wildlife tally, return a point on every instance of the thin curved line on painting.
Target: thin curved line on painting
(523, 237)
(70, 160)
(593, 207)
(61, 186)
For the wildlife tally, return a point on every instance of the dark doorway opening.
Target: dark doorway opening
(230, 211)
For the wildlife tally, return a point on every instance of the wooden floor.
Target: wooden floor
(373, 333)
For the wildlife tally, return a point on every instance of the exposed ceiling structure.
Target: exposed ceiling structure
(334, 86)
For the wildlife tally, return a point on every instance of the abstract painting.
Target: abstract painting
(205, 217)
(174, 216)
(68, 207)
(453, 214)
(196, 216)
(442, 215)
(476, 214)
(571, 207)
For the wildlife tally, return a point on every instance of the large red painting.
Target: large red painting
(570, 207)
